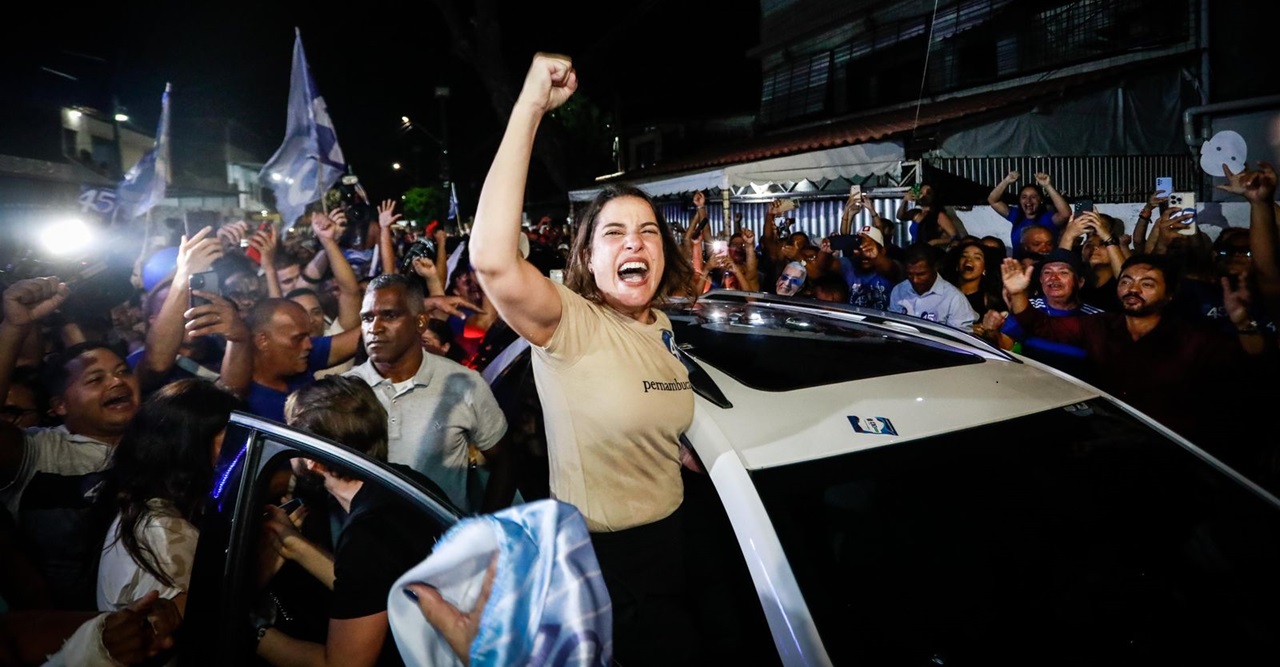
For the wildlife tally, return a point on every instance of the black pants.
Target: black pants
(644, 571)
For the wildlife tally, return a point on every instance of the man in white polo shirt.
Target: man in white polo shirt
(435, 406)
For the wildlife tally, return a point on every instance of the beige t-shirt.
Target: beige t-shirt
(615, 399)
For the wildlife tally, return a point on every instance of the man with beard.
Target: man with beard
(436, 408)
(54, 480)
(1174, 370)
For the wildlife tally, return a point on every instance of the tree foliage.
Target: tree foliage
(426, 203)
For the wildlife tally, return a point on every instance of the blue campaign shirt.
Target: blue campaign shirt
(1020, 222)
(867, 289)
(268, 403)
(1062, 356)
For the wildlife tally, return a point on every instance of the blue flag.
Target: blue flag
(453, 203)
(143, 187)
(309, 161)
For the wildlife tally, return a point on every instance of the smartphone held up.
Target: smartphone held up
(250, 251)
(205, 281)
(1187, 202)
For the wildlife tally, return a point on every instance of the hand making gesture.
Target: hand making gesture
(386, 214)
(29, 301)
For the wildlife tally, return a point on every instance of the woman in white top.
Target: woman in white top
(163, 469)
(615, 395)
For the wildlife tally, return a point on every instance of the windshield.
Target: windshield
(800, 346)
(1077, 536)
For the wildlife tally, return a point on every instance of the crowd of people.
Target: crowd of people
(1178, 324)
(111, 433)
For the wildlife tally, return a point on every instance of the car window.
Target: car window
(775, 350)
(1077, 536)
(235, 573)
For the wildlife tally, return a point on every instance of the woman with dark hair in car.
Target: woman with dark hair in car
(163, 471)
(615, 395)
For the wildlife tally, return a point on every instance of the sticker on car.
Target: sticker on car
(872, 425)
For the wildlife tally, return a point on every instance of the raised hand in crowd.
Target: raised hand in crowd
(386, 213)
(1063, 210)
(856, 202)
(750, 274)
(266, 241)
(1017, 278)
(165, 336)
(1258, 185)
(329, 229)
(29, 301)
(440, 236)
(442, 306)
(1092, 222)
(1235, 182)
(386, 241)
(1168, 228)
(773, 231)
(232, 233)
(221, 317)
(694, 234)
(996, 198)
(1141, 232)
(26, 302)
(425, 267)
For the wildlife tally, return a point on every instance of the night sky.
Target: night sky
(377, 61)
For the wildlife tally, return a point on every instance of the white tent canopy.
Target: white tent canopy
(858, 161)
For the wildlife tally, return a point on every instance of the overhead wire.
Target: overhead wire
(924, 73)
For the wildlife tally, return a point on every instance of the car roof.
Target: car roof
(906, 378)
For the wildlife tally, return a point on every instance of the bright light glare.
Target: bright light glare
(67, 237)
(404, 119)
(395, 165)
(122, 117)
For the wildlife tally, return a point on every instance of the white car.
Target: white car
(902, 493)
(881, 490)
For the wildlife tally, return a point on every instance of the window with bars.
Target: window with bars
(796, 90)
(970, 43)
